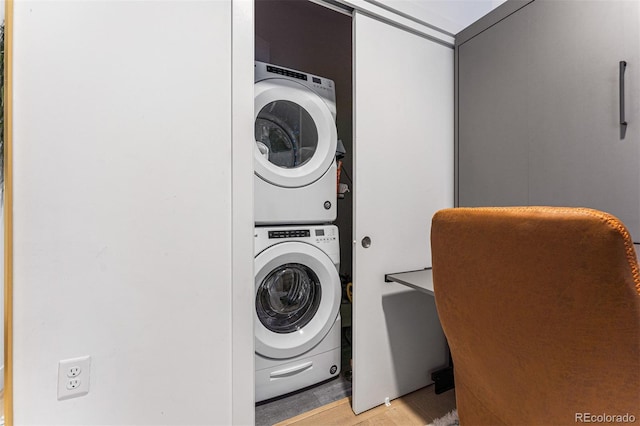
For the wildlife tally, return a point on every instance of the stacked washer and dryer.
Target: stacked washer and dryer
(297, 250)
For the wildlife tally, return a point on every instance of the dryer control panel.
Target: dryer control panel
(290, 233)
(325, 87)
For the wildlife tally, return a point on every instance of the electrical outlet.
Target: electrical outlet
(74, 371)
(73, 377)
(73, 384)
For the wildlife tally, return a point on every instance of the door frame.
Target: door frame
(242, 344)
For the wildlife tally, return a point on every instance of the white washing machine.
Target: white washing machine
(295, 147)
(297, 308)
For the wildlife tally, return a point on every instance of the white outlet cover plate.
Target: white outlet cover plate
(82, 363)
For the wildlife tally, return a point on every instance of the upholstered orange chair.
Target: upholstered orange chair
(541, 309)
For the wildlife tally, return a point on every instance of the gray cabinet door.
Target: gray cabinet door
(551, 72)
(493, 72)
(576, 154)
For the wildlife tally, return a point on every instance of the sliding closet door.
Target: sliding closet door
(403, 163)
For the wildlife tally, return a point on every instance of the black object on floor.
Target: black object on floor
(443, 378)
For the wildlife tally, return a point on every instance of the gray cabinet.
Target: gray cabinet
(538, 109)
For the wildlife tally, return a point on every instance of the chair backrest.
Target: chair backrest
(541, 309)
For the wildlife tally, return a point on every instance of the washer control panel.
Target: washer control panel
(325, 235)
(319, 235)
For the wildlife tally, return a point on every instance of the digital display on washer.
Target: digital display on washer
(316, 80)
(287, 73)
(290, 233)
(319, 232)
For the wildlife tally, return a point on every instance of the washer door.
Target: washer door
(295, 134)
(297, 299)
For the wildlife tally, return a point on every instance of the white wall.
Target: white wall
(449, 15)
(123, 211)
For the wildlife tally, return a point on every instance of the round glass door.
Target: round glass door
(295, 134)
(286, 134)
(297, 298)
(288, 298)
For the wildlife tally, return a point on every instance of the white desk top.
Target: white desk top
(422, 280)
(419, 280)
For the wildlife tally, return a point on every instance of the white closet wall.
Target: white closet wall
(124, 219)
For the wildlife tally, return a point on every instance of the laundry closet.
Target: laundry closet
(131, 234)
(391, 83)
(140, 205)
(303, 108)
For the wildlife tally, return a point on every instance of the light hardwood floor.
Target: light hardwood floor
(418, 408)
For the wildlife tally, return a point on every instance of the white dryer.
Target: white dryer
(295, 146)
(297, 304)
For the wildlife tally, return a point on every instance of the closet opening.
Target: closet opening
(303, 54)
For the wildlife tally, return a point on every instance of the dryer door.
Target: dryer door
(295, 134)
(297, 299)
